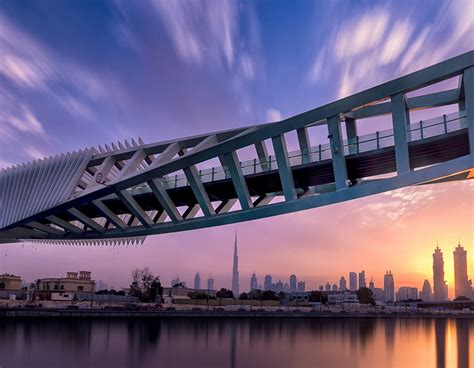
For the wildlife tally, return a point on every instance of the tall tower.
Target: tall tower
(342, 284)
(235, 271)
(426, 294)
(253, 282)
(210, 283)
(197, 281)
(389, 287)
(362, 283)
(439, 285)
(293, 283)
(352, 281)
(462, 286)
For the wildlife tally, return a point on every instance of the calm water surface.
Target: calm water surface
(237, 343)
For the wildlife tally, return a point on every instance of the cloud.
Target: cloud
(200, 31)
(16, 118)
(362, 35)
(396, 42)
(273, 115)
(247, 67)
(35, 153)
(384, 43)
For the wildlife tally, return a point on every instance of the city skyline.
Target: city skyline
(291, 282)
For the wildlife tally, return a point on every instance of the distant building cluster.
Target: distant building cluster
(439, 293)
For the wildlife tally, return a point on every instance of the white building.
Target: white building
(405, 293)
(341, 297)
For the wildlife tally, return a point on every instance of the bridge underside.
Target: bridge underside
(133, 190)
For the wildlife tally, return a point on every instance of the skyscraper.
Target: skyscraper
(197, 281)
(362, 283)
(253, 282)
(293, 283)
(301, 286)
(389, 287)
(342, 284)
(327, 287)
(462, 285)
(267, 284)
(371, 284)
(426, 293)
(235, 271)
(210, 283)
(352, 281)
(439, 285)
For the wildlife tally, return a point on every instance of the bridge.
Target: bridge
(126, 191)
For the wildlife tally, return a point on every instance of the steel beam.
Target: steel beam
(134, 208)
(305, 146)
(226, 205)
(103, 170)
(284, 167)
(401, 124)
(351, 132)
(232, 162)
(64, 224)
(46, 228)
(199, 191)
(131, 165)
(112, 217)
(86, 220)
(263, 200)
(166, 202)
(167, 155)
(469, 103)
(337, 152)
(191, 211)
(262, 154)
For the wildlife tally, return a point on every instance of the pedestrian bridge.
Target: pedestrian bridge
(126, 191)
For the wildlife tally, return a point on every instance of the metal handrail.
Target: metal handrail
(318, 153)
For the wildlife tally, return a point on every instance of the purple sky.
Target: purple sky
(76, 74)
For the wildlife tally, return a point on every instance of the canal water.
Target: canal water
(237, 343)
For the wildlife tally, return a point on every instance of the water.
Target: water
(239, 343)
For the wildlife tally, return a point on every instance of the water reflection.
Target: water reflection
(235, 343)
(440, 335)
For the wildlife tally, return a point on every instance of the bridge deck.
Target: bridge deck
(424, 152)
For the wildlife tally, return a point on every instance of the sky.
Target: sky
(76, 74)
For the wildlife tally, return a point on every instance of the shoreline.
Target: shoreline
(65, 313)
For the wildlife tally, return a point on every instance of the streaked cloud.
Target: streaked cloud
(201, 31)
(396, 42)
(359, 36)
(273, 115)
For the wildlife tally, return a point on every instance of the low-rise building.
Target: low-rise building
(181, 292)
(65, 288)
(10, 282)
(10, 287)
(341, 297)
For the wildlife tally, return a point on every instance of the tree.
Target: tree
(225, 293)
(316, 296)
(365, 296)
(2, 285)
(269, 295)
(244, 296)
(461, 298)
(145, 285)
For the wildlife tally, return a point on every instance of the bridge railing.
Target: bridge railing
(420, 130)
